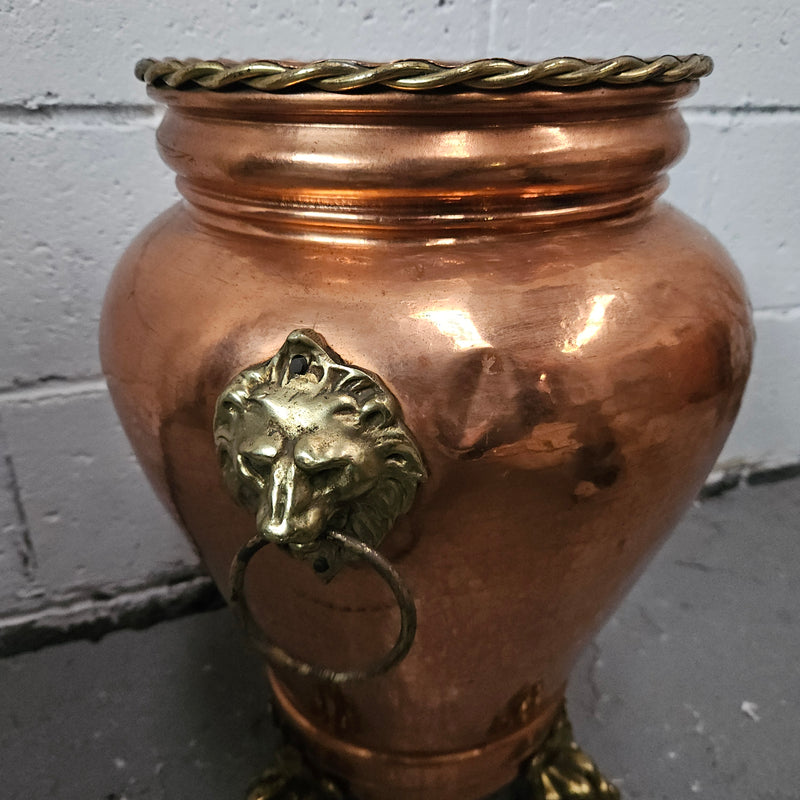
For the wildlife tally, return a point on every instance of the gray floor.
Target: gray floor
(691, 690)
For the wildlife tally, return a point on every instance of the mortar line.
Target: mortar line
(782, 313)
(779, 307)
(128, 116)
(764, 110)
(25, 549)
(53, 109)
(57, 386)
(92, 619)
(29, 112)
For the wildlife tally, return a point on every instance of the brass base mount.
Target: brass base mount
(559, 771)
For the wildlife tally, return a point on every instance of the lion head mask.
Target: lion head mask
(311, 444)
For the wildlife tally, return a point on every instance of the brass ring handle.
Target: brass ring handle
(277, 655)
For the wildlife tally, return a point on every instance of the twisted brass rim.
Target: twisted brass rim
(277, 655)
(490, 74)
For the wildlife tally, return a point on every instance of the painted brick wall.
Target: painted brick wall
(78, 524)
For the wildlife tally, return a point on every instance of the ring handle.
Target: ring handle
(277, 655)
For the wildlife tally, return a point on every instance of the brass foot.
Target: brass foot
(562, 771)
(292, 779)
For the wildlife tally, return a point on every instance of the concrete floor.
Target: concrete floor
(691, 690)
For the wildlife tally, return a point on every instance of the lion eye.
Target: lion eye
(255, 464)
(322, 470)
(329, 475)
(328, 466)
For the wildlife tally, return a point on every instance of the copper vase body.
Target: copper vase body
(568, 350)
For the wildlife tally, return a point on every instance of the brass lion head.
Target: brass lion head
(311, 444)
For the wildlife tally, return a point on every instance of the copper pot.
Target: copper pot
(567, 352)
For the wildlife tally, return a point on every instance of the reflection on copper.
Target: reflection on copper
(454, 144)
(325, 159)
(336, 239)
(554, 139)
(457, 325)
(600, 302)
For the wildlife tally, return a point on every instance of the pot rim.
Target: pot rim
(428, 108)
(485, 76)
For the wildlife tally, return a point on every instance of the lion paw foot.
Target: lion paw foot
(291, 779)
(562, 771)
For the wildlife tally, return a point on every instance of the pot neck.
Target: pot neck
(384, 163)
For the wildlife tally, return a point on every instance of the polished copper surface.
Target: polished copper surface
(569, 353)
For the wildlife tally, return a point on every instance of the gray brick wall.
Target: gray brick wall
(80, 175)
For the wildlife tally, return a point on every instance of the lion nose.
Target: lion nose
(277, 522)
(287, 496)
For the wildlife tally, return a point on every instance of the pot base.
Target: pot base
(559, 770)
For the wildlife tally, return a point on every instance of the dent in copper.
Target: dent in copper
(569, 353)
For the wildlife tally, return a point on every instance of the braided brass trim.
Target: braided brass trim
(490, 74)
